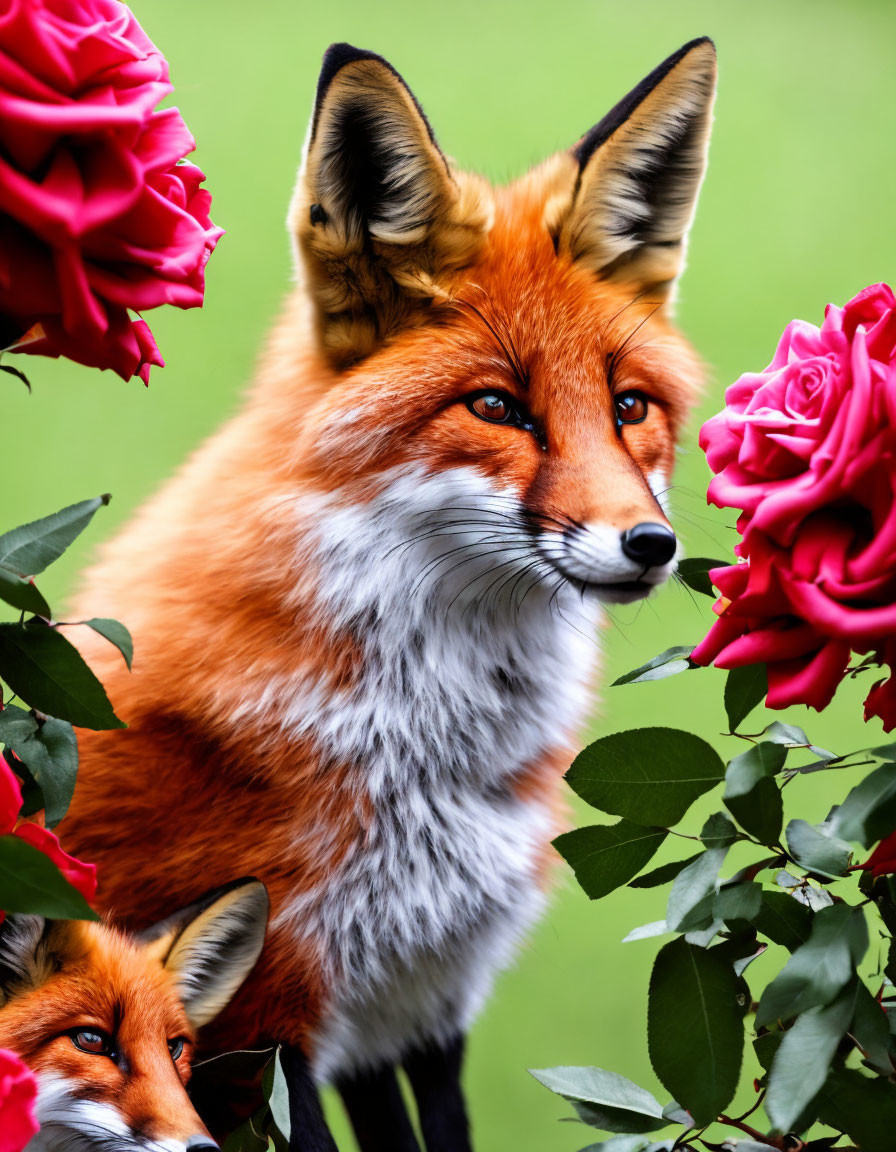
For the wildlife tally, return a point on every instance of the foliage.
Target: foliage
(57, 692)
(823, 1029)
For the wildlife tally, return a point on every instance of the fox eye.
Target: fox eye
(176, 1047)
(631, 408)
(93, 1041)
(494, 407)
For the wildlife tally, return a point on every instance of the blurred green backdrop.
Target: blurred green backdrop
(797, 210)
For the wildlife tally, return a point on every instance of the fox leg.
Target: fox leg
(377, 1112)
(308, 1128)
(434, 1073)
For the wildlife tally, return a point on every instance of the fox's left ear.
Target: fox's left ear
(210, 947)
(640, 170)
(379, 217)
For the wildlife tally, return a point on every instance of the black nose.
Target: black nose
(201, 1144)
(649, 544)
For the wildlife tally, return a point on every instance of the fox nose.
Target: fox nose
(201, 1144)
(649, 544)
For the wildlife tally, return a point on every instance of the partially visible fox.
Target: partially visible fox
(108, 1022)
(363, 612)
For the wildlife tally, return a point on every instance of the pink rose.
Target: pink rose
(807, 451)
(18, 1093)
(97, 216)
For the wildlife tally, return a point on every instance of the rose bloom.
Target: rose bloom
(97, 216)
(79, 875)
(18, 1092)
(882, 860)
(807, 452)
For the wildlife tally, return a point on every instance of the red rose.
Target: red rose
(18, 1093)
(79, 875)
(882, 860)
(97, 216)
(807, 451)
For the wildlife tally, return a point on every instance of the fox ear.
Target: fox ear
(379, 218)
(640, 170)
(210, 947)
(26, 954)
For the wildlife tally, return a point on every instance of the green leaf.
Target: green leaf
(784, 920)
(33, 547)
(16, 725)
(759, 762)
(116, 633)
(648, 775)
(869, 811)
(661, 875)
(871, 1030)
(646, 931)
(690, 901)
(863, 1108)
(695, 1027)
(718, 831)
(738, 902)
(605, 856)
(668, 663)
(279, 1098)
(622, 1144)
(31, 882)
(744, 689)
(787, 734)
(751, 795)
(32, 797)
(40, 665)
(20, 593)
(817, 850)
(694, 571)
(800, 1066)
(612, 1102)
(49, 751)
(818, 970)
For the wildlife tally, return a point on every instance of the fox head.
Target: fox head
(107, 1022)
(517, 337)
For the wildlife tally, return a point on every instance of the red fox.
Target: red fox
(108, 1022)
(363, 611)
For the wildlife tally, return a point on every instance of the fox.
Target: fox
(366, 610)
(107, 1022)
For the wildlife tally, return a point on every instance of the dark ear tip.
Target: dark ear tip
(336, 57)
(692, 44)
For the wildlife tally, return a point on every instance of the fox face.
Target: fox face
(108, 1022)
(518, 337)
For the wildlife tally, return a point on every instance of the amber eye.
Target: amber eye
(93, 1041)
(494, 407)
(631, 408)
(176, 1047)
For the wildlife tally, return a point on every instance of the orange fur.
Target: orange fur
(216, 609)
(200, 786)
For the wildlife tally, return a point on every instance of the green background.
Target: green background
(796, 211)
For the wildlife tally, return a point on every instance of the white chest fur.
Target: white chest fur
(476, 661)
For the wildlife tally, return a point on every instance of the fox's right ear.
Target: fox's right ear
(379, 217)
(209, 948)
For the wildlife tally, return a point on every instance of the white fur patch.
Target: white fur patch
(477, 660)
(76, 1125)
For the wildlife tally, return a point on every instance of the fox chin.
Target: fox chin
(364, 611)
